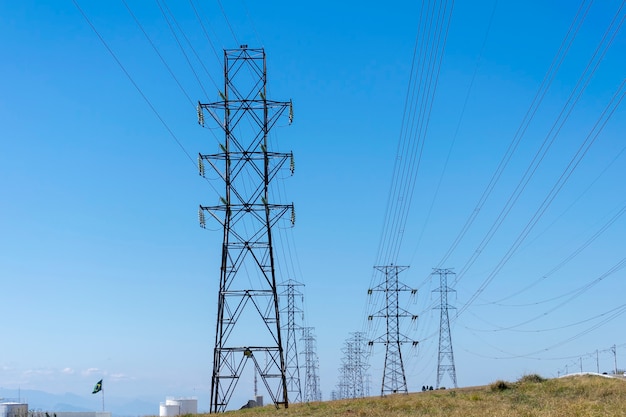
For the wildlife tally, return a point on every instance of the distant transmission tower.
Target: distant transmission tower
(394, 379)
(353, 377)
(311, 366)
(445, 360)
(248, 318)
(291, 348)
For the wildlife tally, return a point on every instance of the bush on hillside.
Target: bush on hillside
(499, 385)
(531, 379)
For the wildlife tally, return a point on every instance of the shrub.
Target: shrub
(531, 379)
(499, 385)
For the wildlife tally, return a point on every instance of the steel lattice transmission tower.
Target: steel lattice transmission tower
(311, 366)
(394, 378)
(353, 377)
(248, 317)
(445, 359)
(291, 347)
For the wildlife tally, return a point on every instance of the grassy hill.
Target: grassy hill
(583, 396)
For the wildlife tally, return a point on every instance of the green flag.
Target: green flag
(97, 388)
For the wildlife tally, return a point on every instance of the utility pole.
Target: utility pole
(311, 365)
(614, 350)
(394, 378)
(291, 349)
(248, 317)
(445, 358)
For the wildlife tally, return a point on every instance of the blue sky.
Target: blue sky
(106, 273)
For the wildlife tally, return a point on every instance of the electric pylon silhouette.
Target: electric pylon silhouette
(311, 365)
(248, 317)
(394, 378)
(353, 377)
(291, 348)
(445, 359)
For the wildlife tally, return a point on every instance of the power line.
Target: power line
(206, 35)
(134, 83)
(541, 330)
(256, 33)
(536, 161)
(532, 355)
(456, 132)
(180, 46)
(548, 78)
(422, 89)
(576, 293)
(561, 264)
(158, 53)
(193, 50)
(227, 21)
(573, 164)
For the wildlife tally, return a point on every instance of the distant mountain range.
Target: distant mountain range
(119, 407)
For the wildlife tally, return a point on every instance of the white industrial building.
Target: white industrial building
(17, 409)
(79, 414)
(13, 409)
(178, 407)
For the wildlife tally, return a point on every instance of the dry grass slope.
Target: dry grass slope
(531, 396)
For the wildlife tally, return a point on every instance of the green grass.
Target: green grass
(530, 396)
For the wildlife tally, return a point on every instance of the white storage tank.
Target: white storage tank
(168, 410)
(13, 410)
(188, 405)
(178, 407)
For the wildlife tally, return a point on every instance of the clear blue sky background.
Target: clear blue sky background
(105, 272)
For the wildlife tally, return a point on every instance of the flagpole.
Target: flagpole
(97, 389)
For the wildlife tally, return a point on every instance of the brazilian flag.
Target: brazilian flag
(97, 388)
